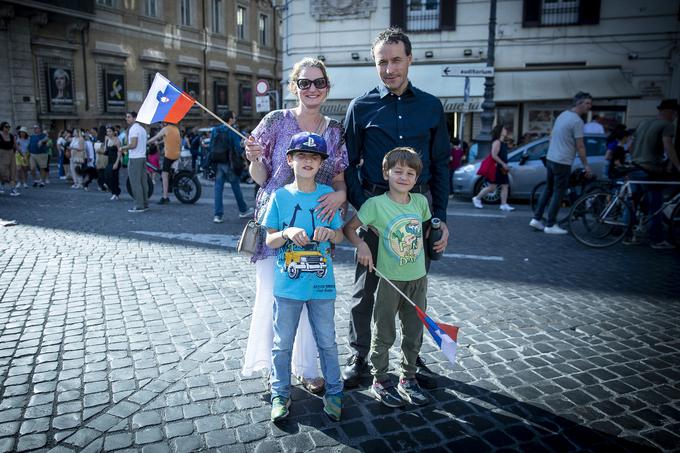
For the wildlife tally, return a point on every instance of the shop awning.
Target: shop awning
(550, 85)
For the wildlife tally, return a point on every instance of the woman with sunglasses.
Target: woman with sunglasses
(266, 151)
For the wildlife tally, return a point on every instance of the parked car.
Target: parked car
(527, 168)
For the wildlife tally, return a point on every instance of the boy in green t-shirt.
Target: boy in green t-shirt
(397, 216)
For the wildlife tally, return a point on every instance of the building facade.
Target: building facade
(85, 62)
(625, 53)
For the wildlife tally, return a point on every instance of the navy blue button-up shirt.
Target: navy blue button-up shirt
(380, 121)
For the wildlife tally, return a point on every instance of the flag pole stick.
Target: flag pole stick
(380, 274)
(221, 120)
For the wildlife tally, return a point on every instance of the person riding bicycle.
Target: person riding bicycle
(654, 156)
(172, 147)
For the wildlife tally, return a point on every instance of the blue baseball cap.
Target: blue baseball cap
(308, 142)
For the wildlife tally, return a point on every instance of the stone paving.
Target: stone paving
(123, 332)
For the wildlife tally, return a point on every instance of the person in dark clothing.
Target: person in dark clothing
(393, 114)
(112, 145)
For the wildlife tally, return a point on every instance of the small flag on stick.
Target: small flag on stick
(164, 102)
(444, 335)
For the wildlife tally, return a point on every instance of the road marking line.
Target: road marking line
(231, 240)
(473, 257)
(470, 214)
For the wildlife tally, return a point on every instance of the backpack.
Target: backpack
(220, 147)
(236, 160)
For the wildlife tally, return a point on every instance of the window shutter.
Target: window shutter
(531, 14)
(589, 12)
(447, 15)
(398, 13)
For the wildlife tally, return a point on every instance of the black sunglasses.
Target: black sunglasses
(319, 83)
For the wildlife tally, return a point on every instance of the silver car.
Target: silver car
(527, 169)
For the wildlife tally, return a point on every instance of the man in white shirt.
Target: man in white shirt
(136, 164)
(594, 126)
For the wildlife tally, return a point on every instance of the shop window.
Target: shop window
(107, 3)
(549, 13)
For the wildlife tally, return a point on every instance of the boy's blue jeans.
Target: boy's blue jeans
(321, 317)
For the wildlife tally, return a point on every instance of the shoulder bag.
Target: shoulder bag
(251, 238)
(488, 168)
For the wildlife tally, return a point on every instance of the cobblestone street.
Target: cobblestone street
(126, 332)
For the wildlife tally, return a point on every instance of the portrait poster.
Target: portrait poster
(221, 93)
(193, 89)
(246, 97)
(60, 89)
(114, 91)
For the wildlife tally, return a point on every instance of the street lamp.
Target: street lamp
(488, 106)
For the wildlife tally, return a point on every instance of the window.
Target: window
(264, 20)
(550, 13)
(423, 15)
(241, 22)
(217, 16)
(109, 3)
(151, 8)
(185, 12)
(245, 92)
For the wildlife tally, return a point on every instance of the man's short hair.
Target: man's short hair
(405, 156)
(227, 115)
(392, 35)
(580, 98)
(132, 113)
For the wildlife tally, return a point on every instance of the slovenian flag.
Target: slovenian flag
(165, 102)
(445, 335)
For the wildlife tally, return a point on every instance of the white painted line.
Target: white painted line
(474, 214)
(231, 240)
(473, 257)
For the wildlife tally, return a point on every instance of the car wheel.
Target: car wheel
(490, 198)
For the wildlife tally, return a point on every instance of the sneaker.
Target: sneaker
(313, 385)
(555, 229)
(351, 373)
(114, 197)
(25, 186)
(62, 178)
(280, 407)
(35, 183)
(47, 181)
(74, 186)
(387, 394)
(248, 213)
(164, 201)
(537, 225)
(135, 210)
(506, 207)
(13, 193)
(477, 202)
(411, 392)
(41, 184)
(332, 406)
(2, 189)
(663, 245)
(425, 377)
(218, 219)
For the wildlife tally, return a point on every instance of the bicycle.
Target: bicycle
(579, 185)
(603, 218)
(183, 183)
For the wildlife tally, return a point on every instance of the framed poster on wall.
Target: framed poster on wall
(114, 91)
(221, 94)
(60, 89)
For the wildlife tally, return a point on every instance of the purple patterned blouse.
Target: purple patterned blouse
(273, 134)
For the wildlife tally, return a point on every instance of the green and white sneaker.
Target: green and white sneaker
(332, 406)
(280, 407)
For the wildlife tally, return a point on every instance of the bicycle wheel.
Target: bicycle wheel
(599, 219)
(536, 195)
(187, 188)
(674, 226)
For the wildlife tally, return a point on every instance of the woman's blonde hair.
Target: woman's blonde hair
(306, 62)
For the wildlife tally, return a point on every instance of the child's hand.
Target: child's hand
(323, 234)
(297, 235)
(364, 256)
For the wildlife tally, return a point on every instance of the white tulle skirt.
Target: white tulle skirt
(258, 356)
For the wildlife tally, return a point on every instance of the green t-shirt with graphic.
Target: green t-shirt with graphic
(400, 251)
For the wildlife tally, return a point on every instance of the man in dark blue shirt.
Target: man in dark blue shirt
(393, 114)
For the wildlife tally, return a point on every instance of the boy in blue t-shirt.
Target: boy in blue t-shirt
(397, 216)
(304, 273)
